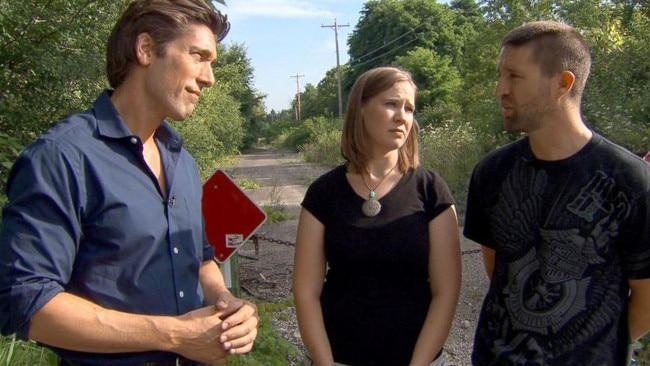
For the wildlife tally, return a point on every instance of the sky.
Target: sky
(286, 38)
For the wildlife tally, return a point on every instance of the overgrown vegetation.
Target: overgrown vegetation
(275, 210)
(642, 352)
(51, 64)
(269, 349)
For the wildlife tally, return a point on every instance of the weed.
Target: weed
(642, 351)
(275, 210)
(14, 352)
(247, 184)
(269, 347)
(277, 214)
(275, 195)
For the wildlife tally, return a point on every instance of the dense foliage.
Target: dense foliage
(451, 49)
(52, 63)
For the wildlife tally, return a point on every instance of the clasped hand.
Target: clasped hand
(215, 332)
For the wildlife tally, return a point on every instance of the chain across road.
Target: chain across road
(257, 237)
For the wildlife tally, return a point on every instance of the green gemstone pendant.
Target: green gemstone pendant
(371, 207)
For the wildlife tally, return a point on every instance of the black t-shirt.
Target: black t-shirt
(377, 293)
(568, 235)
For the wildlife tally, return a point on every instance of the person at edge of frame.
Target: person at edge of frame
(563, 217)
(103, 252)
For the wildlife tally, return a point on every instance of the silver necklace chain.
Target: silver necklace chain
(372, 207)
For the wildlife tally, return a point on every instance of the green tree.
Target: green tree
(320, 100)
(617, 98)
(478, 74)
(52, 63)
(51, 60)
(391, 28)
(214, 131)
(309, 102)
(438, 82)
(235, 72)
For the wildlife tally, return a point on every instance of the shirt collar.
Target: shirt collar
(111, 125)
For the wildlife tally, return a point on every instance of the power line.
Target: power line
(385, 45)
(385, 53)
(359, 59)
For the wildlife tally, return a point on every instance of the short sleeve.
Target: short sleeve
(439, 196)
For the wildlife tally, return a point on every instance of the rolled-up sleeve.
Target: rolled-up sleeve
(39, 235)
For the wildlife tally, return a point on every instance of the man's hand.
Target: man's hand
(198, 337)
(240, 322)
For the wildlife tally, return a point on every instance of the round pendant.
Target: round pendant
(371, 207)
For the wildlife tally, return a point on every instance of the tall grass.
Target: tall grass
(324, 150)
(452, 150)
(269, 348)
(14, 352)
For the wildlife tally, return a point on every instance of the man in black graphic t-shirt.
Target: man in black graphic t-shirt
(563, 216)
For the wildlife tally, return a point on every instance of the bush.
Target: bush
(293, 135)
(269, 348)
(324, 150)
(453, 151)
(278, 129)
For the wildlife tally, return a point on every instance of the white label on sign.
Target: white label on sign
(234, 240)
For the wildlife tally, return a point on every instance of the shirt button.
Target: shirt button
(134, 140)
(181, 294)
(175, 250)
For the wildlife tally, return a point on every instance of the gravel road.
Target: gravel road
(265, 273)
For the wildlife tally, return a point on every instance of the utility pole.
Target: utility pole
(297, 76)
(338, 67)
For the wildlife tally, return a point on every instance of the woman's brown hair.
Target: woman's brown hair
(354, 137)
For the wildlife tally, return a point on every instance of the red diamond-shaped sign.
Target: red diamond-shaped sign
(231, 217)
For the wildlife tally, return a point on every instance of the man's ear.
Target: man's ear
(565, 83)
(144, 49)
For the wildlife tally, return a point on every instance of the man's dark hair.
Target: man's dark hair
(163, 20)
(556, 47)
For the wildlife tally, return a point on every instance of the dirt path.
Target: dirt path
(265, 272)
(282, 177)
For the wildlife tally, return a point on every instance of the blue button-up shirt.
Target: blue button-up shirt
(86, 216)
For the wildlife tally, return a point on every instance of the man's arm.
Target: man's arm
(240, 320)
(488, 260)
(639, 303)
(212, 281)
(73, 323)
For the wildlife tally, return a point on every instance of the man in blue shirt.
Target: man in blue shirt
(103, 253)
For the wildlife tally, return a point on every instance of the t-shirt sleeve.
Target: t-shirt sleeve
(439, 190)
(313, 200)
(637, 251)
(475, 226)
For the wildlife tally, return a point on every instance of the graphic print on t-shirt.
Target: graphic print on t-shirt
(560, 292)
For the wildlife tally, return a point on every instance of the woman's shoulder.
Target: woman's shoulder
(426, 174)
(330, 177)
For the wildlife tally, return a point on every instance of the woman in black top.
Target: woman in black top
(377, 267)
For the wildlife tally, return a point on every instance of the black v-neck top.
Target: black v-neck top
(376, 295)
